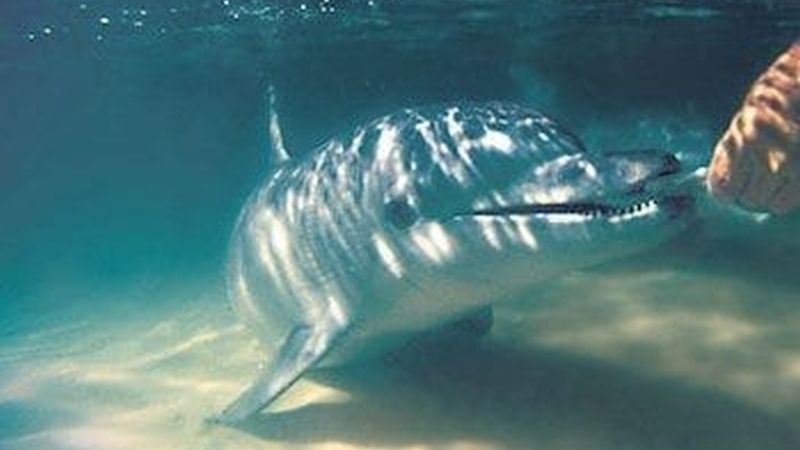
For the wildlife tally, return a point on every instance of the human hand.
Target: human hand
(756, 163)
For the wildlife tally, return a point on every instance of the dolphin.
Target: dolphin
(426, 217)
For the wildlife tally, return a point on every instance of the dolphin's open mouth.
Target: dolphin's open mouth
(673, 204)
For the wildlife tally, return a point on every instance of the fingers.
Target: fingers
(761, 188)
(755, 162)
(773, 110)
(772, 114)
(787, 198)
(721, 182)
(729, 171)
(785, 171)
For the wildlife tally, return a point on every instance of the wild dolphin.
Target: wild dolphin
(424, 218)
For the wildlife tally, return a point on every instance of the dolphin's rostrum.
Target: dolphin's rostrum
(427, 217)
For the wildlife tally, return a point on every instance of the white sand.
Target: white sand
(660, 353)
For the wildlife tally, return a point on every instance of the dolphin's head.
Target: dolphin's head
(504, 189)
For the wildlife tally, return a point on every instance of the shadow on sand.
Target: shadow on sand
(502, 397)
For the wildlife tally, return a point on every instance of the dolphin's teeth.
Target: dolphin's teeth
(583, 209)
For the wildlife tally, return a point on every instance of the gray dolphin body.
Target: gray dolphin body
(427, 217)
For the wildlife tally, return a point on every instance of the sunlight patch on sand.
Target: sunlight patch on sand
(150, 387)
(84, 438)
(150, 384)
(700, 329)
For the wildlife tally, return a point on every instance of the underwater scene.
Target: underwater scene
(393, 224)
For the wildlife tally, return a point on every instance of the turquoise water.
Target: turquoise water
(132, 133)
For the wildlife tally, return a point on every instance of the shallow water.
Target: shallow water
(133, 132)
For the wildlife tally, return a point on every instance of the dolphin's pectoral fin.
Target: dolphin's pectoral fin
(478, 324)
(303, 347)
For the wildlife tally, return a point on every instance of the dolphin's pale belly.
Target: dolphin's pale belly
(386, 311)
(423, 218)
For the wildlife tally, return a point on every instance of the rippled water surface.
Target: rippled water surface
(131, 133)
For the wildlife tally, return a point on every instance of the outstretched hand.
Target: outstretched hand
(756, 163)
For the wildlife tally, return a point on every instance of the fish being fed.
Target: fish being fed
(425, 218)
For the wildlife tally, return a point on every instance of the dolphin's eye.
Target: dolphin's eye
(400, 213)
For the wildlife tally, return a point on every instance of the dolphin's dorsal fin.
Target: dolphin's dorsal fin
(278, 151)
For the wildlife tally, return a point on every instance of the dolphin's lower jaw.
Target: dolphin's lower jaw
(673, 205)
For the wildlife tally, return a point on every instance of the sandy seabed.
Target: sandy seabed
(696, 350)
